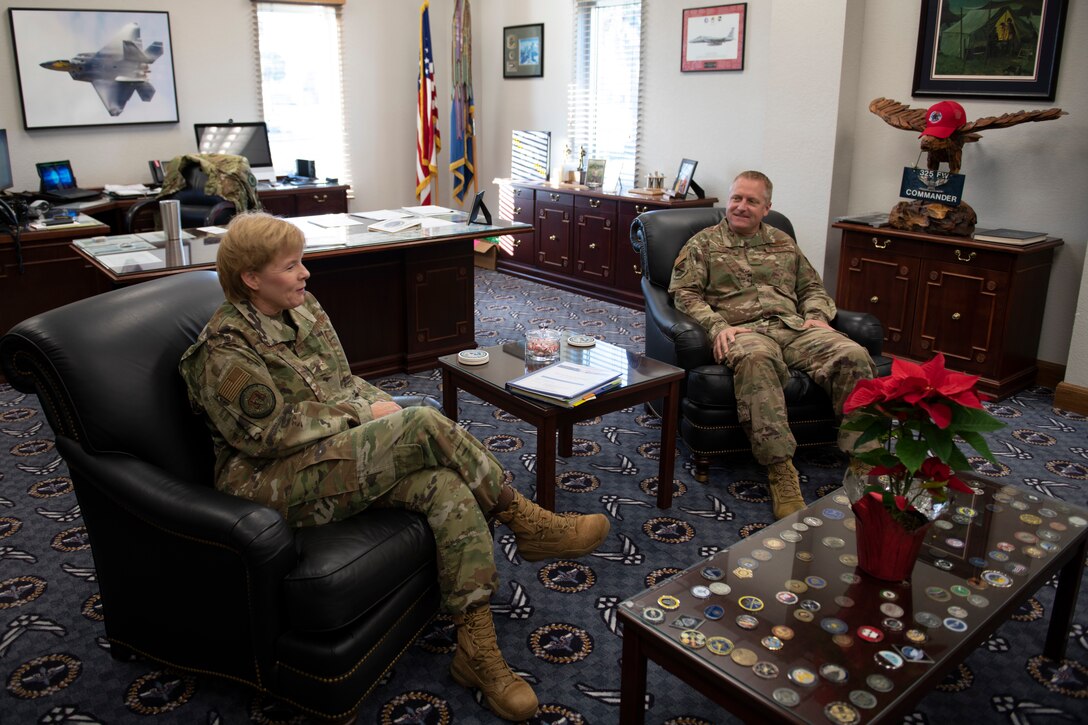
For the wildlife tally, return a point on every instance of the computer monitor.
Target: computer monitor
(249, 139)
(6, 182)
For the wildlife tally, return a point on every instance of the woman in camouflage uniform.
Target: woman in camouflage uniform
(295, 430)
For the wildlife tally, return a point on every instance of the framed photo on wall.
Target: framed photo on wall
(998, 50)
(713, 38)
(93, 67)
(523, 51)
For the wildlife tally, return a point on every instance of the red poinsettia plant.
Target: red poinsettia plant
(915, 414)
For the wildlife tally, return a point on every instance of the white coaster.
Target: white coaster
(473, 357)
(581, 341)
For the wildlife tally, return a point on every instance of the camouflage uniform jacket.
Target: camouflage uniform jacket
(269, 392)
(229, 176)
(723, 280)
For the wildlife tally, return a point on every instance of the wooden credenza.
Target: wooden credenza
(981, 304)
(581, 241)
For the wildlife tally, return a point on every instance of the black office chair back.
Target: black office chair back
(110, 363)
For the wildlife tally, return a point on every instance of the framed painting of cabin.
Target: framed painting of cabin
(973, 49)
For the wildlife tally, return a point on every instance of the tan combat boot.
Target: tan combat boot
(785, 488)
(542, 534)
(479, 663)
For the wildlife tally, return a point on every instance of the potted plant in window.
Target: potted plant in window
(906, 457)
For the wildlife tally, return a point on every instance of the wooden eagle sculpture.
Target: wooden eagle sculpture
(945, 142)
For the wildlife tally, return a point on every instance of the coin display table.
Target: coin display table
(783, 626)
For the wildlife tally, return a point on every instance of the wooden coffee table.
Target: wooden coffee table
(643, 379)
(854, 646)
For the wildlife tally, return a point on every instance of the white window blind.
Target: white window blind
(605, 104)
(302, 89)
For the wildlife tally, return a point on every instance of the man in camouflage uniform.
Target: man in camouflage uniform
(765, 310)
(295, 430)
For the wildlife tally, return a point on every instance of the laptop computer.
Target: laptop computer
(58, 183)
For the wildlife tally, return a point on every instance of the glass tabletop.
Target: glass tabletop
(140, 253)
(786, 615)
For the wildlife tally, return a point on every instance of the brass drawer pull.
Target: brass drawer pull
(321, 199)
(517, 243)
(641, 209)
(555, 197)
(878, 245)
(551, 238)
(593, 245)
(955, 315)
(636, 269)
(594, 203)
(968, 258)
(517, 210)
(874, 299)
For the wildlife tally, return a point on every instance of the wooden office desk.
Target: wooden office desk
(398, 301)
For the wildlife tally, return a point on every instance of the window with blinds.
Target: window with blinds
(298, 47)
(604, 104)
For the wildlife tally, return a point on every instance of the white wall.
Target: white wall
(798, 110)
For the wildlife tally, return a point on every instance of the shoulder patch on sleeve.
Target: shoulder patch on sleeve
(257, 400)
(232, 383)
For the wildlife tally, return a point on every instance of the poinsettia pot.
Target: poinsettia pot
(886, 549)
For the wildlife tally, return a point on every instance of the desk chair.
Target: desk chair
(198, 208)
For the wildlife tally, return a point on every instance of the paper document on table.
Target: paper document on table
(212, 230)
(155, 237)
(127, 190)
(428, 210)
(431, 223)
(128, 259)
(565, 381)
(381, 214)
(332, 221)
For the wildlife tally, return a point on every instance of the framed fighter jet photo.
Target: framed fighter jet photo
(93, 67)
(713, 38)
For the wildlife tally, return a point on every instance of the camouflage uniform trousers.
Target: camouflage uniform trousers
(760, 361)
(416, 459)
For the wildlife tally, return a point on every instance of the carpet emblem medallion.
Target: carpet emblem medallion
(1069, 677)
(1004, 411)
(560, 643)
(9, 526)
(393, 385)
(51, 487)
(650, 450)
(419, 707)
(1029, 611)
(1068, 469)
(749, 491)
(957, 680)
(1069, 414)
(69, 540)
(687, 721)
(668, 530)
(440, 636)
(503, 443)
(159, 692)
(44, 676)
(16, 415)
(505, 417)
(567, 576)
(577, 481)
(20, 590)
(984, 468)
(32, 448)
(556, 715)
(657, 576)
(589, 422)
(1034, 437)
(749, 529)
(649, 486)
(583, 447)
(92, 608)
(648, 421)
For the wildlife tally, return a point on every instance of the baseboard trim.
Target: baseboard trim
(1071, 397)
(1049, 374)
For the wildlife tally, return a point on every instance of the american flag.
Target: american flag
(428, 140)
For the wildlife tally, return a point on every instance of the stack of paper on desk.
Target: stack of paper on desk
(566, 384)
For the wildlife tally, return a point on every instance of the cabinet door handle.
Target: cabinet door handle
(874, 299)
(517, 210)
(641, 209)
(593, 245)
(955, 315)
(637, 269)
(968, 258)
(594, 203)
(878, 245)
(321, 199)
(517, 243)
(551, 238)
(555, 197)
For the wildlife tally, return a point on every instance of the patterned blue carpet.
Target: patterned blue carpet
(556, 620)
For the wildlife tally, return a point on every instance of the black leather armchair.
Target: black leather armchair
(198, 209)
(708, 408)
(189, 576)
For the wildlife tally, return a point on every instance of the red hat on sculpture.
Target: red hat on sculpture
(942, 119)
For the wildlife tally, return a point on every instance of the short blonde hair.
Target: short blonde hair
(757, 176)
(252, 241)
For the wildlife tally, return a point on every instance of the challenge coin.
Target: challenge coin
(834, 673)
(978, 600)
(848, 559)
(686, 621)
(747, 621)
(888, 660)
(783, 632)
(748, 562)
(750, 604)
(960, 590)
(833, 542)
(719, 645)
(803, 615)
(843, 640)
(813, 521)
(712, 573)
(772, 643)
(786, 597)
(879, 682)
(891, 609)
(796, 586)
(959, 612)
(863, 699)
(774, 544)
(720, 588)
(927, 619)
(844, 601)
(892, 624)
(842, 713)
(888, 595)
(653, 615)
(799, 526)
(810, 604)
(742, 573)
(581, 341)
(801, 676)
(744, 657)
(667, 601)
(870, 634)
(790, 535)
(849, 577)
(693, 638)
(700, 591)
(766, 670)
(954, 624)
(833, 625)
(805, 556)
(998, 556)
(833, 514)
(816, 582)
(714, 612)
(786, 697)
(916, 636)
(761, 555)
(996, 579)
(943, 564)
(938, 594)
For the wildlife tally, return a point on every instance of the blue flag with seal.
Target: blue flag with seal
(463, 110)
